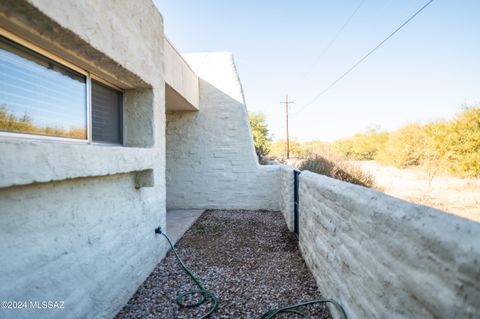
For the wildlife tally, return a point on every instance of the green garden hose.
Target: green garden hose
(293, 309)
(201, 291)
(205, 294)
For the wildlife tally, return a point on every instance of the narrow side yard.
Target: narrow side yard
(248, 258)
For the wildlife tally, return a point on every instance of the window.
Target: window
(42, 97)
(106, 114)
(39, 96)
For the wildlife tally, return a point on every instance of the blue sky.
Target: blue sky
(425, 72)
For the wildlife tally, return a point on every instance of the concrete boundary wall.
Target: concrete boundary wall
(286, 195)
(382, 257)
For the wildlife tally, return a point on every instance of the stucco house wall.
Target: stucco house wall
(211, 160)
(77, 220)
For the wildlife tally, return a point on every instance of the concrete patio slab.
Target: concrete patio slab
(180, 220)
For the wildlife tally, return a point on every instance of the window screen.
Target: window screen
(106, 114)
(39, 96)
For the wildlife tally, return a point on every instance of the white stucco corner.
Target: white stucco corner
(211, 160)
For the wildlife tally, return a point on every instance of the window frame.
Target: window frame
(90, 111)
(88, 91)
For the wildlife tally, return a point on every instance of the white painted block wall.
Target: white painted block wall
(211, 161)
(81, 236)
(382, 257)
(286, 195)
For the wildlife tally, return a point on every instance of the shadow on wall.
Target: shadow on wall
(211, 160)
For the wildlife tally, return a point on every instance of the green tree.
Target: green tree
(261, 138)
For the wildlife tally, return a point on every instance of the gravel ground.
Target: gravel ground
(248, 258)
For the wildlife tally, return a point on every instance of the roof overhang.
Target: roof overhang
(181, 89)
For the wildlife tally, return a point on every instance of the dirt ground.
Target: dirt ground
(453, 195)
(248, 258)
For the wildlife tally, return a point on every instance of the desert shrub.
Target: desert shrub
(279, 149)
(12, 122)
(331, 166)
(315, 147)
(459, 145)
(442, 146)
(298, 149)
(452, 146)
(362, 146)
(431, 157)
(404, 147)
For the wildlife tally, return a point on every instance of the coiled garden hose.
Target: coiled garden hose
(204, 293)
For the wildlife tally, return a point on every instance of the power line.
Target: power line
(335, 37)
(362, 59)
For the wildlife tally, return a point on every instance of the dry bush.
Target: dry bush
(329, 165)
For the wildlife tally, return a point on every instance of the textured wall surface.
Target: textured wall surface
(385, 258)
(88, 242)
(41, 162)
(211, 161)
(85, 239)
(286, 195)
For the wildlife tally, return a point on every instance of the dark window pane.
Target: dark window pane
(106, 114)
(40, 96)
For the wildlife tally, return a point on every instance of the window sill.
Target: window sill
(24, 162)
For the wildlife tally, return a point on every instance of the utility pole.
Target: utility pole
(286, 119)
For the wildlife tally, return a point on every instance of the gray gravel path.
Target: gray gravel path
(248, 258)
